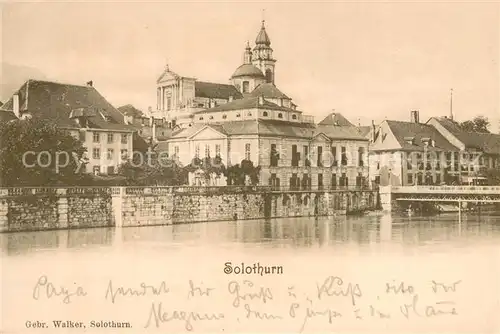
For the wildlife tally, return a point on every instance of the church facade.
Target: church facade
(251, 119)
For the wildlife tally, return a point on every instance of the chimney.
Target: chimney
(90, 83)
(414, 116)
(261, 100)
(15, 105)
(231, 98)
(373, 131)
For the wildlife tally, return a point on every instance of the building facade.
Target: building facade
(83, 113)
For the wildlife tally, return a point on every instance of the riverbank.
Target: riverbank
(33, 209)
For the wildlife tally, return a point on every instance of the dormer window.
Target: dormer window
(294, 116)
(280, 115)
(410, 140)
(264, 114)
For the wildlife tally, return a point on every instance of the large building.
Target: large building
(84, 113)
(252, 119)
(431, 153)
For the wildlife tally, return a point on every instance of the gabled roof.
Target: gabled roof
(487, 142)
(341, 132)
(248, 102)
(130, 110)
(268, 90)
(165, 72)
(253, 127)
(55, 102)
(335, 119)
(419, 131)
(215, 90)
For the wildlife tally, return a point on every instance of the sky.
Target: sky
(366, 60)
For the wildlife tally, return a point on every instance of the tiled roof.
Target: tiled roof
(335, 119)
(130, 110)
(268, 90)
(249, 102)
(340, 132)
(487, 142)
(215, 90)
(55, 102)
(254, 127)
(364, 130)
(6, 116)
(402, 130)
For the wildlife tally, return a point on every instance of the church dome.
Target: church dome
(247, 70)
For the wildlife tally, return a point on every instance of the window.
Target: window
(274, 156)
(238, 115)
(82, 135)
(269, 75)
(96, 153)
(176, 151)
(224, 116)
(249, 113)
(294, 116)
(111, 169)
(169, 103)
(280, 115)
(344, 156)
(124, 154)
(319, 161)
(207, 151)
(361, 153)
(217, 150)
(124, 139)
(211, 117)
(295, 156)
(410, 178)
(438, 179)
(265, 114)
(111, 153)
(110, 138)
(320, 181)
(246, 87)
(197, 150)
(247, 151)
(307, 162)
(201, 118)
(333, 184)
(96, 137)
(96, 170)
(334, 155)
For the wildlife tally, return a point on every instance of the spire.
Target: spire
(247, 55)
(262, 37)
(451, 104)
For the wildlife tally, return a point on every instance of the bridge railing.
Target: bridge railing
(490, 190)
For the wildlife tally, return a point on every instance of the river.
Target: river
(369, 250)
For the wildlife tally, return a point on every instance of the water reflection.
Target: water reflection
(366, 231)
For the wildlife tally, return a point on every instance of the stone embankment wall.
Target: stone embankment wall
(28, 209)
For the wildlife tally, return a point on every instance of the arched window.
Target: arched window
(280, 115)
(224, 116)
(264, 114)
(211, 117)
(238, 115)
(246, 87)
(269, 75)
(201, 118)
(294, 116)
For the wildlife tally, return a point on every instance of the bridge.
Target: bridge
(391, 195)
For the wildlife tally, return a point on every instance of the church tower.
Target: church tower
(262, 56)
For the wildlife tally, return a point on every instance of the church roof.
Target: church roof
(262, 37)
(248, 70)
(269, 90)
(215, 90)
(335, 119)
(249, 102)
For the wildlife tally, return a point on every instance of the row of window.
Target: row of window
(264, 114)
(274, 156)
(305, 182)
(110, 136)
(96, 153)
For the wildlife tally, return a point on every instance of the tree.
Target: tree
(34, 152)
(492, 176)
(478, 124)
(209, 166)
(152, 169)
(237, 174)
